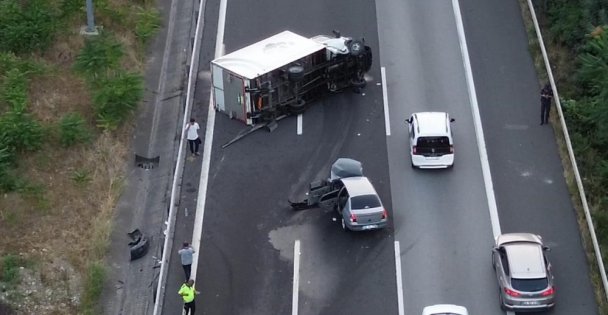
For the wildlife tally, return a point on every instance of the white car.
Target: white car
(431, 141)
(445, 309)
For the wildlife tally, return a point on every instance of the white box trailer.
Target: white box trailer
(284, 73)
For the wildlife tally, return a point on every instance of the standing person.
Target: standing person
(186, 256)
(546, 94)
(188, 292)
(192, 135)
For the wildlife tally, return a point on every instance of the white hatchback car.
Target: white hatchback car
(431, 141)
(445, 309)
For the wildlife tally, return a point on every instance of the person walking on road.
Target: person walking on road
(546, 94)
(187, 291)
(192, 135)
(186, 256)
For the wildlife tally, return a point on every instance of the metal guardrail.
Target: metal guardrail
(577, 176)
(179, 166)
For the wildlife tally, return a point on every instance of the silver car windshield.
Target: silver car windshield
(364, 202)
(529, 285)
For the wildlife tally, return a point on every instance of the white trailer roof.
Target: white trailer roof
(268, 54)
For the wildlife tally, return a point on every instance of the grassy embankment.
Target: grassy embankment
(66, 104)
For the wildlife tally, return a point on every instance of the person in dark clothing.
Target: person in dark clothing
(546, 94)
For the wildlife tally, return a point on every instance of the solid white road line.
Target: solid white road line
(387, 122)
(197, 231)
(221, 24)
(481, 144)
(399, 281)
(204, 180)
(299, 124)
(296, 278)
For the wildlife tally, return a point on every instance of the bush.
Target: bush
(593, 71)
(567, 21)
(81, 176)
(14, 89)
(148, 22)
(8, 61)
(8, 182)
(20, 131)
(117, 98)
(9, 265)
(98, 56)
(71, 7)
(593, 77)
(73, 130)
(26, 26)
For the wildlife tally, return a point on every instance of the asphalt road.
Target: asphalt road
(531, 192)
(246, 264)
(441, 218)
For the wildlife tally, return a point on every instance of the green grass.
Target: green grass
(73, 129)
(9, 266)
(81, 177)
(147, 24)
(93, 287)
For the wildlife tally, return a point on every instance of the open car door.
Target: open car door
(329, 200)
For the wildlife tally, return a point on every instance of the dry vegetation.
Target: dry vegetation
(60, 227)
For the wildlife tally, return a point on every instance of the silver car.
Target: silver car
(523, 272)
(359, 205)
(351, 194)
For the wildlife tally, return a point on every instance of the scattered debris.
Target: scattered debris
(139, 244)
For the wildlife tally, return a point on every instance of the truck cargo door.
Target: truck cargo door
(217, 74)
(234, 97)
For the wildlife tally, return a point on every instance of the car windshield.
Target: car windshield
(433, 142)
(529, 285)
(364, 202)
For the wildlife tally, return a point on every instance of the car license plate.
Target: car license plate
(369, 227)
(530, 302)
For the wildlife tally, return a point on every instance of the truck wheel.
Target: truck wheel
(356, 47)
(298, 107)
(295, 73)
(333, 87)
(358, 83)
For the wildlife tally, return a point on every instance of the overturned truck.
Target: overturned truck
(283, 74)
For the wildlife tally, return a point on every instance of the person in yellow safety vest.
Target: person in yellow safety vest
(188, 292)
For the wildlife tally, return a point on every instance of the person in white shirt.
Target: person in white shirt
(192, 135)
